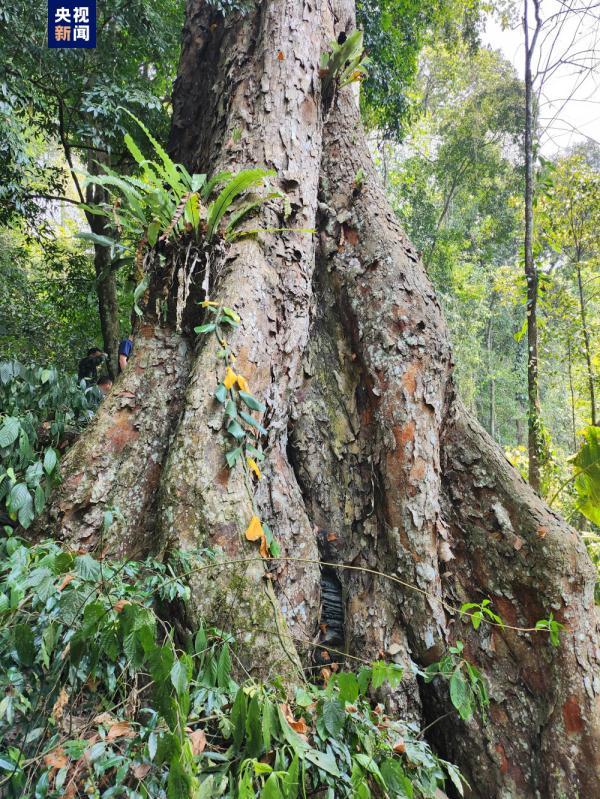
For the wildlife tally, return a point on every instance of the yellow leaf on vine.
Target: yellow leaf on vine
(243, 383)
(255, 531)
(208, 303)
(230, 378)
(253, 466)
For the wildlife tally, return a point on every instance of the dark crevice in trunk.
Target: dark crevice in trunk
(332, 635)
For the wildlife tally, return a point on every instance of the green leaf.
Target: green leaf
(207, 328)
(152, 232)
(323, 760)
(87, 568)
(252, 402)
(224, 667)
(179, 677)
(231, 409)
(234, 429)
(24, 644)
(232, 456)
(398, 784)
(50, 460)
(254, 739)
(235, 186)
(179, 784)
(460, 694)
(238, 717)
(139, 292)
(587, 480)
(386, 672)
(19, 496)
(221, 393)
(271, 788)
(348, 686)
(9, 432)
(39, 500)
(253, 423)
(334, 716)
(95, 238)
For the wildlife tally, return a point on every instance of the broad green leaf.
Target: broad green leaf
(334, 716)
(323, 760)
(348, 686)
(50, 460)
(24, 644)
(252, 402)
(179, 677)
(460, 694)
(9, 432)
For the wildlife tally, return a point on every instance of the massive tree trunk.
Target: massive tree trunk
(368, 447)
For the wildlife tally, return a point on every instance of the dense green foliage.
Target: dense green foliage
(40, 409)
(395, 33)
(457, 184)
(102, 697)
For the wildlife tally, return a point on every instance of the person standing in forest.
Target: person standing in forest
(88, 367)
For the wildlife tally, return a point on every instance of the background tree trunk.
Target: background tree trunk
(368, 447)
(534, 444)
(106, 283)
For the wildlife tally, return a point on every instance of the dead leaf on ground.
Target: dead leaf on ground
(122, 729)
(56, 758)
(118, 606)
(59, 705)
(299, 725)
(198, 741)
(104, 718)
(400, 746)
(140, 770)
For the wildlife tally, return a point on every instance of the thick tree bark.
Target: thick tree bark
(368, 447)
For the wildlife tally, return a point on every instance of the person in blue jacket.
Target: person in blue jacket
(125, 350)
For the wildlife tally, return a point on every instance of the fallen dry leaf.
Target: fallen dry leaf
(299, 725)
(118, 606)
(140, 770)
(325, 675)
(280, 55)
(198, 741)
(104, 718)
(121, 729)
(400, 747)
(65, 582)
(59, 705)
(56, 758)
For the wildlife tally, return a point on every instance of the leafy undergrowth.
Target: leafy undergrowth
(42, 411)
(101, 699)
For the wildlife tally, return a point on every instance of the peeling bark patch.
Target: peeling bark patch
(572, 715)
(409, 378)
(350, 235)
(122, 432)
(504, 764)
